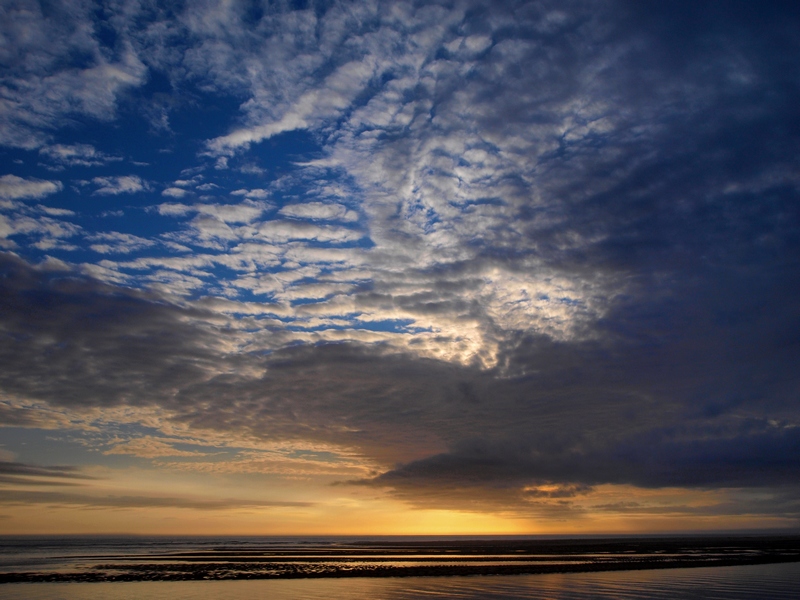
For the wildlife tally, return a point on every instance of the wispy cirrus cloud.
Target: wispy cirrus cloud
(82, 155)
(312, 108)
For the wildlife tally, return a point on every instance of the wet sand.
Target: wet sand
(420, 558)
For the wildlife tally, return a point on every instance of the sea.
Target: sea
(77, 554)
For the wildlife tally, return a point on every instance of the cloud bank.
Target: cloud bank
(512, 254)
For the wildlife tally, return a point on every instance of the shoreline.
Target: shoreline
(313, 559)
(236, 572)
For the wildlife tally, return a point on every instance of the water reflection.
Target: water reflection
(765, 582)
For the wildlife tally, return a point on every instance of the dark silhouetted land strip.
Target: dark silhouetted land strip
(415, 559)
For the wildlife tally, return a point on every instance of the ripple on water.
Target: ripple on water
(764, 582)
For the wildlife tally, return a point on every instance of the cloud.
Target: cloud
(21, 471)
(81, 155)
(214, 226)
(56, 69)
(48, 232)
(284, 231)
(15, 188)
(14, 497)
(116, 242)
(736, 461)
(124, 184)
(150, 447)
(74, 298)
(174, 192)
(290, 464)
(257, 193)
(244, 212)
(623, 409)
(335, 94)
(57, 212)
(569, 267)
(319, 211)
(313, 291)
(17, 414)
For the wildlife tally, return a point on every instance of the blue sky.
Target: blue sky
(519, 262)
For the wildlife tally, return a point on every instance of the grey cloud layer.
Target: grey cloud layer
(643, 407)
(12, 497)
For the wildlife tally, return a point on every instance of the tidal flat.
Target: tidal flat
(138, 559)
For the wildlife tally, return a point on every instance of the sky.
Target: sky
(375, 267)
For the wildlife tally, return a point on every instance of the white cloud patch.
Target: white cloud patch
(174, 192)
(244, 212)
(124, 184)
(313, 291)
(319, 211)
(173, 209)
(47, 231)
(18, 188)
(258, 194)
(284, 231)
(56, 212)
(118, 243)
(188, 182)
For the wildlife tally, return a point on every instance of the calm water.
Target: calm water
(765, 582)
